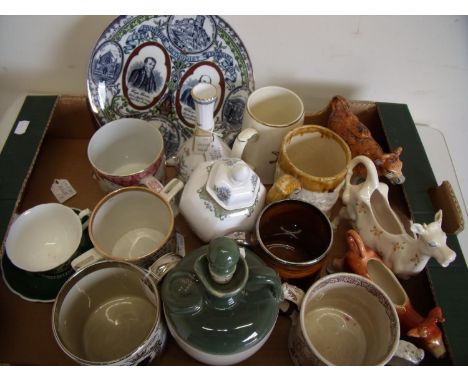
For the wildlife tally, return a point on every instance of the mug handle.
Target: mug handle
(84, 217)
(171, 189)
(89, 257)
(241, 141)
(292, 293)
(283, 187)
(152, 183)
(245, 239)
(163, 265)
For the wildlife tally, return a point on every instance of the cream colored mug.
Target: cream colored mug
(132, 224)
(344, 319)
(271, 112)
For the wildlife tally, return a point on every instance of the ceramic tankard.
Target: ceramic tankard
(344, 319)
(292, 236)
(312, 166)
(109, 313)
(127, 152)
(271, 112)
(132, 224)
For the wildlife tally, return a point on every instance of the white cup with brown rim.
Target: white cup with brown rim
(132, 224)
(312, 166)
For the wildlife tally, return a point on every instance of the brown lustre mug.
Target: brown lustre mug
(292, 236)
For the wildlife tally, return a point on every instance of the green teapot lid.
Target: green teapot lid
(220, 301)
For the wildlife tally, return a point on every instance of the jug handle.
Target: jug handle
(372, 178)
(241, 141)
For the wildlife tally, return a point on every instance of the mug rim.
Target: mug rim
(77, 222)
(111, 195)
(80, 274)
(312, 129)
(279, 125)
(363, 280)
(293, 264)
(105, 127)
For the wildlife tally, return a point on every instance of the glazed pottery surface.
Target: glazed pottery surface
(292, 236)
(109, 314)
(271, 113)
(203, 145)
(317, 159)
(176, 52)
(365, 262)
(344, 319)
(40, 286)
(221, 306)
(46, 238)
(127, 152)
(226, 195)
(367, 206)
(132, 224)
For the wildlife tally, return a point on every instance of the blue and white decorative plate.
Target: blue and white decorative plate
(145, 66)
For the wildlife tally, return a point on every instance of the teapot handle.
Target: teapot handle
(241, 141)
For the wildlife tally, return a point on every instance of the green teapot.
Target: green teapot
(221, 302)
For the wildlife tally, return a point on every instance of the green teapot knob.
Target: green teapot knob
(223, 256)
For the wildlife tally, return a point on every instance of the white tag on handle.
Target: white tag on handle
(201, 144)
(62, 190)
(213, 152)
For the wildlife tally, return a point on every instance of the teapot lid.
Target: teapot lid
(233, 184)
(219, 300)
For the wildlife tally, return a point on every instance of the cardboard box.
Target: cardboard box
(54, 147)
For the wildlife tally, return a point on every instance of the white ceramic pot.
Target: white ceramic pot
(222, 197)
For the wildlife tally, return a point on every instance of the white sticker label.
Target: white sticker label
(21, 127)
(62, 190)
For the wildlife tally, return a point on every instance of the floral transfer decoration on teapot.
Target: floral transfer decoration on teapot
(224, 194)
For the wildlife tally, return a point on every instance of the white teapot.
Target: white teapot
(221, 197)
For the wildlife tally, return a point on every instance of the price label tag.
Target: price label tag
(62, 190)
(213, 152)
(180, 244)
(201, 144)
